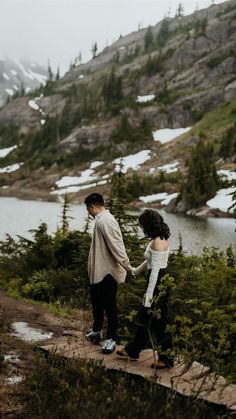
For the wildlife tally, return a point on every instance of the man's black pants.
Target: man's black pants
(103, 299)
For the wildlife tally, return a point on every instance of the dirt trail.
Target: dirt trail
(38, 316)
(19, 354)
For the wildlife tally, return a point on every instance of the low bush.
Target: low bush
(77, 389)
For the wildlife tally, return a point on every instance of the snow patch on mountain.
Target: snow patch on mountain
(222, 200)
(133, 161)
(168, 134)
(5, 151)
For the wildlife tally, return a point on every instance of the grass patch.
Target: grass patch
(216, 121)
(53, 308)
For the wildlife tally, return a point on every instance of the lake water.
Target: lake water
(20, 216)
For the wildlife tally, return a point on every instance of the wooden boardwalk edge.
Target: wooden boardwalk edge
(194, 381)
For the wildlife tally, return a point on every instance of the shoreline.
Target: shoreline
(33, 195)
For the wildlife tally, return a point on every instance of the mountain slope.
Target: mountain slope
(172, 75)
(16, 75)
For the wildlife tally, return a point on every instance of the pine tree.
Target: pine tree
(231, 261)
(228, 143)
(118, 205)
(50, 73)
(148, 39)
(58, 74)
(22, 89)
(163, 33)
(179, 11)
(112, 88)
(65, 217)
(118, 196)
(202, 180)
(94, 49)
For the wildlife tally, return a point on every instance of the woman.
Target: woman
(156, 258)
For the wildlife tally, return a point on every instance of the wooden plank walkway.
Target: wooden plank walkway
(193, 381)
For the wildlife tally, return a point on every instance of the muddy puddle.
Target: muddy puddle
(29, 334)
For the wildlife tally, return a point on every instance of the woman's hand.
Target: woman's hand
(134, 271)
(147, 301)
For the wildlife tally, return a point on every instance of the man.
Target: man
(107, 266)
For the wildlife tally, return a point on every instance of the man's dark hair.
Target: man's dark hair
(94, 199)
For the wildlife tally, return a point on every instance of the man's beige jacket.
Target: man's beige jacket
(107, 251)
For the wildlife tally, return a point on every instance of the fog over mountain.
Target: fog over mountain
(59, 30)
(18, 76)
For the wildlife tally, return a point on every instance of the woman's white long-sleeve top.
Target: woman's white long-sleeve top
(154, 261)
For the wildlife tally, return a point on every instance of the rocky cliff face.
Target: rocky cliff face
(199, 67)
(189, 72)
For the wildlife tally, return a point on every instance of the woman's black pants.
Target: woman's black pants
(103, 299)
(149, 323)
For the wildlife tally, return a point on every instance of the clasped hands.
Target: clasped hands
(147, 301)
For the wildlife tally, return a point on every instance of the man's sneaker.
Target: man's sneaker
(109, 346)
(94, 337)
(122, 352)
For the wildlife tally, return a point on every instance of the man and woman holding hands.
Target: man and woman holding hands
(108, 265)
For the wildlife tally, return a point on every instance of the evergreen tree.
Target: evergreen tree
(22, 89)
(116, 57)
(124, 130)
(148, 39)
(49, 82)
(153, 65)
(118, 205)
(58, 74)
(163, 33)
(231, 261)
(65, 217)
(118, 196)
(131, 133)
(179, 11)
(94, 49)
(202, 181)
(228, 143)
(112, 88)
(50, 74)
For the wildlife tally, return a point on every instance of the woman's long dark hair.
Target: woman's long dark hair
(153, 225)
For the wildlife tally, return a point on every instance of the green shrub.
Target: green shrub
(203, 305)
(38, 287)
(47, 268)
(203, 298)
(79, 389)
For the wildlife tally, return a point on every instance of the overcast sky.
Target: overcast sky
(40, 30)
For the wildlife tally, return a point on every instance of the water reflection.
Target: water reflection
(197, 232)
(18, 217)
